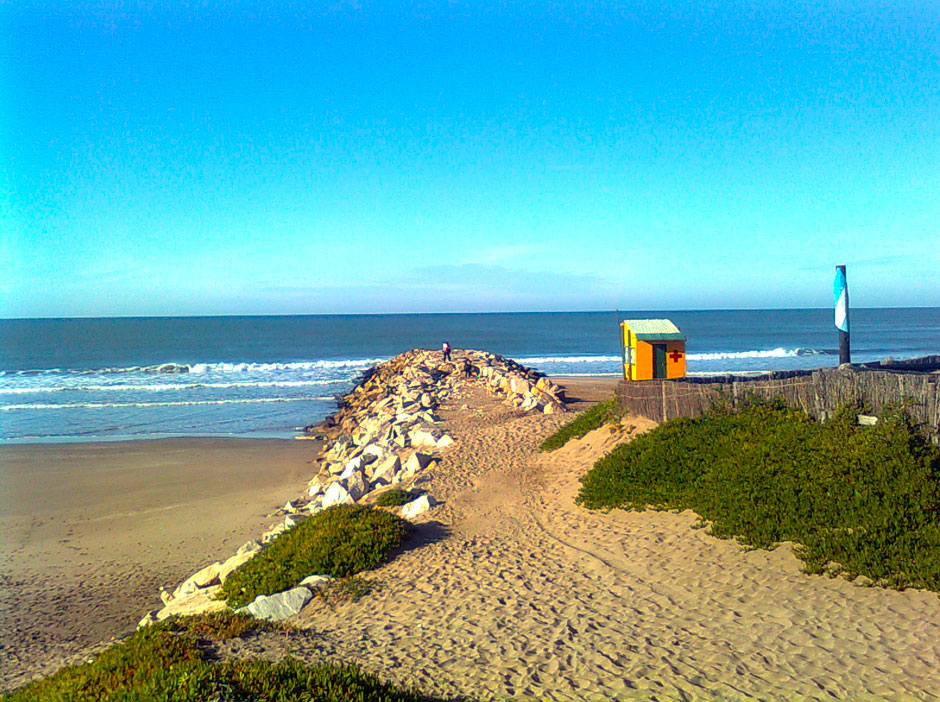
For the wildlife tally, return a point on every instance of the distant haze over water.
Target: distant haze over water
(101, 379)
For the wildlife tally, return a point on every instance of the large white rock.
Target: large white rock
(314, 487)
(386, 471)
(351, 467)
(424, 437)
(336, 494)
(416, 507)
(276, 608)
(520, 386)
(416, 463)
(198, 580)
(444, 442)
(196, 603)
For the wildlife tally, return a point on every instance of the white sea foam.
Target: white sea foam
(163, 387)
(540, 360)
(766, 353)
(105, 405)
(208, 367)
(250, 367)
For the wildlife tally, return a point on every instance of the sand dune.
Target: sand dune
(520, 593)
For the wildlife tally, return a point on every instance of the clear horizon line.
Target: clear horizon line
(465, 313)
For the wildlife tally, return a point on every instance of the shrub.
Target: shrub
(340, 541)
(164, 663)
(394, 498)
(590, 419)
(856, 500)
(217, 626)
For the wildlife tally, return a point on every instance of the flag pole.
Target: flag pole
(841, 290)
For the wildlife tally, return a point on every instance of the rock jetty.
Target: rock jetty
(384, 434)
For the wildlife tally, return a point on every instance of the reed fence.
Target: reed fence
(819, 393)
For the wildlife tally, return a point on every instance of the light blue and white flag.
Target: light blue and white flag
(841, 290)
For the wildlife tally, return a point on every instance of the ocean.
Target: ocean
(141, 378)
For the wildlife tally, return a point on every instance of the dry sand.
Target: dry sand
(511, 590)
(514, 591)
(91, 531)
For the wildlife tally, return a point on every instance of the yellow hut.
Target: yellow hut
(652, 348)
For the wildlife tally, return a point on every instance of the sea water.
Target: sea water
(127, 378)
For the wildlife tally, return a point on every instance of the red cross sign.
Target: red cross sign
(675, 356)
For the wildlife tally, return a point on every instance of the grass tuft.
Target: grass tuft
(164, 663)
(590, 419)
(340, 541)
(856, 500)
(394, 498)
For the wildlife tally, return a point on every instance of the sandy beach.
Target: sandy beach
(509, 590)
(92, 531)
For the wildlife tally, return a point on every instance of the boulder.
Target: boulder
(336, 494)
(386, 471)
(276, 608)
(249, 547)
(198, 602)
(315, 582)
(416, 507)
(273, 533)
(198, 580)
(292, 520)
(356, 485)
(239, 559)
(424, 437)
(314, 487)
(444, 442)
(520, 386)
(351, 467)
(416, 463)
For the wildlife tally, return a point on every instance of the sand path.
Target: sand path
(517, 592)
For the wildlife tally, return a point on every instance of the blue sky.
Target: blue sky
(253, 158)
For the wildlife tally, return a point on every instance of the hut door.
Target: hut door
(659, 360)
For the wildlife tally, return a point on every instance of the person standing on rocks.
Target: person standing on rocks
(445, 348)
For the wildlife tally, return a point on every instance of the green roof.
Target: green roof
(654, 329)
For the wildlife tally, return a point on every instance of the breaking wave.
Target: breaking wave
(767, 353)
(537, 360)
(104, 405)
(202, 368)
(125, 387)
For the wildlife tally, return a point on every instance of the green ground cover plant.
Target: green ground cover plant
(593, 418)
(394, 498)
(856, 500)
(340, 541)
(168, 662)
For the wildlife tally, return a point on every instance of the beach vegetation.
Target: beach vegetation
(589, 420)
(855, 500)
(394, 498)
(172, 662)
(340, 541)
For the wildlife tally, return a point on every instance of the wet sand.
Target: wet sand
(90, 532)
